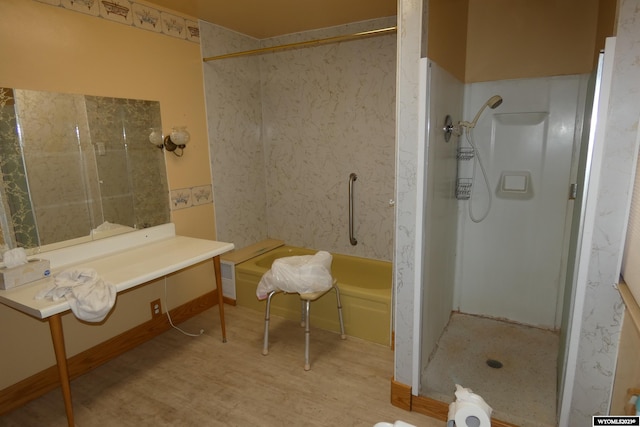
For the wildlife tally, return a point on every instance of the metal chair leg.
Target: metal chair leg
(307, 332)
(342, 334)
(305, 316)
(302, 321)
(265, 347)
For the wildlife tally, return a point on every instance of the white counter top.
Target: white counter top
(126, 261)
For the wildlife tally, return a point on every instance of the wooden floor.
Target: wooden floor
(177, 380)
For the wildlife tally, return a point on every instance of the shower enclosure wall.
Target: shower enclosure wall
(595, 307)
(527, 146)
(509, 266)
(534, 132)
(288, 128)
(440, 207)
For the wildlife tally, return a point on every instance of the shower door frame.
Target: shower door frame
(582, 239)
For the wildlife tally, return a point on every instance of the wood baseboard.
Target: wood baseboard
(431, 407)
(44, 381)
(402, 398)
(401, 395)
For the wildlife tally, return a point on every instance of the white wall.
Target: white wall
(445, 97)
(532, 132)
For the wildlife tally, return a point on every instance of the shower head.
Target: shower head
(492, 103)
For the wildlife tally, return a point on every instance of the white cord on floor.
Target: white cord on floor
(166, 305)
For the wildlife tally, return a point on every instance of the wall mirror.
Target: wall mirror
(77, 167)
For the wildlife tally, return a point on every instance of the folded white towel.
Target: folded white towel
(90, 297)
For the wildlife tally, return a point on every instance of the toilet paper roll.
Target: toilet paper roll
(467, 414)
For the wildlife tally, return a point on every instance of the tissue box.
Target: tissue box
(34, 269)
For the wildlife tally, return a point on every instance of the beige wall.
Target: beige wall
(607, 14)
(447, 35)
(511, 39)
(53, 49)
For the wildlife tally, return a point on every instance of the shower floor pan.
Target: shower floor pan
(512, 366)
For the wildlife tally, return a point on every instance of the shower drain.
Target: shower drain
(495, 364)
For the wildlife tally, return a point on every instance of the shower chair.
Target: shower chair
(305, 299)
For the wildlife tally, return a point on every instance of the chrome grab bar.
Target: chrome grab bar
(352, 239)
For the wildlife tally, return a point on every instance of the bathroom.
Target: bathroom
(183, 104)
(278, 123)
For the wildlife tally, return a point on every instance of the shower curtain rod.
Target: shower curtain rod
(372, 33)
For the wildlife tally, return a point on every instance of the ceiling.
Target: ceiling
(269, 18)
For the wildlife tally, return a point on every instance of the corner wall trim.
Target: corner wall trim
(44, 381)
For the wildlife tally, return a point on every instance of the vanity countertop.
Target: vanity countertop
(126, 261)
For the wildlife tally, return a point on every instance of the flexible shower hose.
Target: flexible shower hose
(469, 137)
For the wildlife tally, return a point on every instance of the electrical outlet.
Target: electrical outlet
(156, 308)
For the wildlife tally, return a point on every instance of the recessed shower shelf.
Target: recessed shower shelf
(465, 153)
(463, 188)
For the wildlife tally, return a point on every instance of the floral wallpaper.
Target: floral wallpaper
(135, 14)
(14, 190)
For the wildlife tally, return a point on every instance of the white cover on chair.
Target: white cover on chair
(303, 274)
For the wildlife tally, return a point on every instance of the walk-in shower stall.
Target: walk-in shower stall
(500, 189)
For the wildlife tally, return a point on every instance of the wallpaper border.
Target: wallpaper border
(135, 14)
